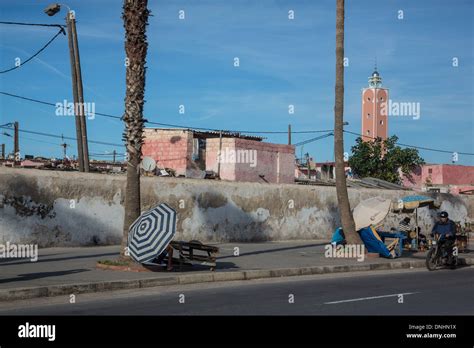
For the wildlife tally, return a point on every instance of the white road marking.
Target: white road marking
(370, 298)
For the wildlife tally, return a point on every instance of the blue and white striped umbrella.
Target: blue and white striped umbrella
(150, 234)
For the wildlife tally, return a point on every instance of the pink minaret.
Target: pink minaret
(374, 109)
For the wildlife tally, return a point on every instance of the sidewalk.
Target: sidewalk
(60, 271)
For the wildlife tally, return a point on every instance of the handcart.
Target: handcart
(194, 252)
(410, 205)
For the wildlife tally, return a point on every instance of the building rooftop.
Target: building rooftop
(212, 133)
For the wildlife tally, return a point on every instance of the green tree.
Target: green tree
(383, 159)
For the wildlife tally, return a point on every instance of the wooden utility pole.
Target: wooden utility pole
(77, 91)
(64, 146)
(289, 134)
(16, 145)
(308, 166)
(115, 153)
(80, 156)
(80, 93)
(3, 151)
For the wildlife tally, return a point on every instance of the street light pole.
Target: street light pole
(80, 93)
(77, 89)
(80, 153)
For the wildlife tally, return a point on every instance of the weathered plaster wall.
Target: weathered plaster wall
(64, 208)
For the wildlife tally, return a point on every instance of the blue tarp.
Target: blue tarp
(338, 236)
(372, 241)
(416, 198)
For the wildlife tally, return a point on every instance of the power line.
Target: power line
(60, 137)
(34, 24)
(29, 99)
(106, 155)
(61, 30)
(173, 125)
(40, 141)
(238, 131)
(414, 146)
(304, 142)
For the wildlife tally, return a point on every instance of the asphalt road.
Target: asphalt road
(443, 292)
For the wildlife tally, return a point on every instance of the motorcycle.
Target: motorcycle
(438, 256)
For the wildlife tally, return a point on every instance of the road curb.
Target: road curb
(82, 288)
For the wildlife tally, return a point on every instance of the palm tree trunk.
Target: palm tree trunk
(347, 220)
(135, 17)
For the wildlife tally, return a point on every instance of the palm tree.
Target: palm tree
(347, 220)
(135, 18)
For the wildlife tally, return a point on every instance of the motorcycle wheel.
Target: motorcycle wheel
(431, 260)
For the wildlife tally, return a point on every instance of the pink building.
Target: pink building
(170, 148)
(235, 157)
(442, 177)
(250, 160)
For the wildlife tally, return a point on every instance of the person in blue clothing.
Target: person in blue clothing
(446, 228)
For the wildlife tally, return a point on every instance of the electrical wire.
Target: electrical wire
(61, 30)
(61, 137)
(174, 125)
(40, 141)
(34, 24)
(304, 142)
(240, 131)
(414, 146)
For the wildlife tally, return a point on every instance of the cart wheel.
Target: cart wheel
(212, 269)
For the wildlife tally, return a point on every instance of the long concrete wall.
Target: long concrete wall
(68, 208)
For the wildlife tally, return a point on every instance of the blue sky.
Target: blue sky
(282, 62)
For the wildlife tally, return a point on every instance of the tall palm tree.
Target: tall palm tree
(347, 219)
(135, 18)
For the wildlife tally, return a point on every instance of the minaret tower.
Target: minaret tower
(374, 109)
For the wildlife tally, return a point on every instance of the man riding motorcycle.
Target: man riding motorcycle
(446, 228)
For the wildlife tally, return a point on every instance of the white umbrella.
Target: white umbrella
(371, 211)
(151, 233)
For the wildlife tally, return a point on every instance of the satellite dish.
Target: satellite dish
(148, 164)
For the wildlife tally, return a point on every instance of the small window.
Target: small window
(381, 122)
(381, 98)
(430, 171)
(368, 132)
(368, 98)
(368, 115)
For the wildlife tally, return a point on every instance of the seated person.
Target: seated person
(167, 252)
(404, 227)
(446, 229)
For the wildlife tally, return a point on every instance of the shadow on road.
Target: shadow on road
(257, 252)
(40, 259)
(31, 276)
